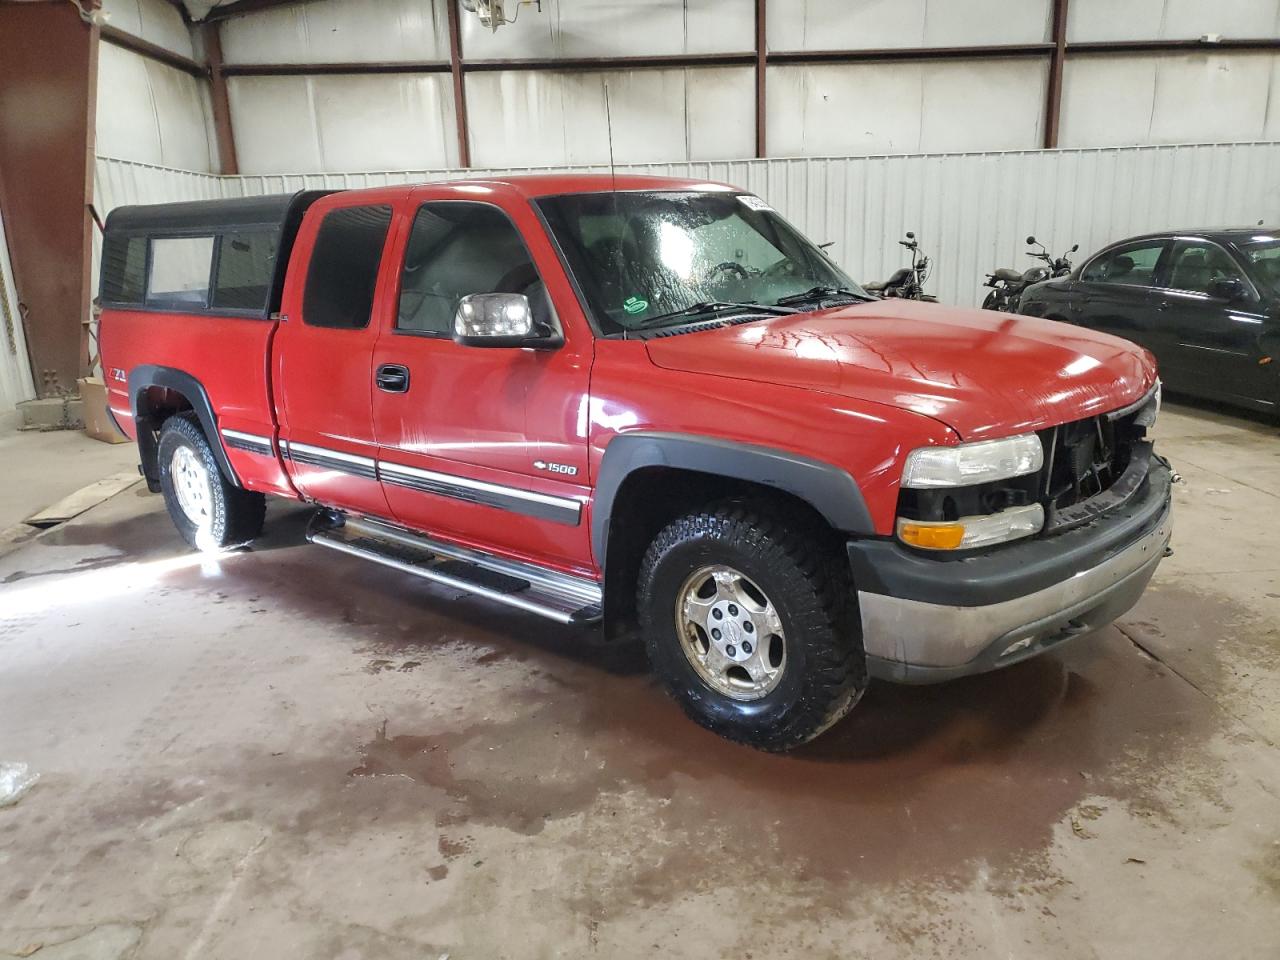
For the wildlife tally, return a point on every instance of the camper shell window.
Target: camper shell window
(222, 257)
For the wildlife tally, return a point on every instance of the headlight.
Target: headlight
(1148, 414)
(969, 532)
(972, 463)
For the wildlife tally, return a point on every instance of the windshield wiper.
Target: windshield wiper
(823, 293)
(712, 306)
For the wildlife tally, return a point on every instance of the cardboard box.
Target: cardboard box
(97, 421)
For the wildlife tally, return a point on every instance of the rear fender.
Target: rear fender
(147, 415)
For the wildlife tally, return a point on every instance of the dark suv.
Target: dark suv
(1205, 302)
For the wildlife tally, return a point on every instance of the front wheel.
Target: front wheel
(209, 511)
(748, 623)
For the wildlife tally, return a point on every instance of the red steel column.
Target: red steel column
(227, 161)
(1053, 103)
(762, 61)
(48, 75)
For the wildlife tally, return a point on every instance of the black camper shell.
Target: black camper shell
(223, 257)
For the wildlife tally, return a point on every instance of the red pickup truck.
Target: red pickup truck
(646, 403)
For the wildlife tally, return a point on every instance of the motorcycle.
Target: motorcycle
(907, 283)
(1007, 285)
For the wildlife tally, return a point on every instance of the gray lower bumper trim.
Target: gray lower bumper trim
(916, 642)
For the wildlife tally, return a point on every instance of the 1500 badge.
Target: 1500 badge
(561, 468)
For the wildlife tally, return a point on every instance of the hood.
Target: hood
(982, 373)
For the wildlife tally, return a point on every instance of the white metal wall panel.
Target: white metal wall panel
(1168, 99)
(15, 367)
(339, 31)
(1090, 20)
(547, 118)
(152, 113)
(970, 211)
(614, 28)
(881, 24)
(341, 122)
(155, 21)
(867, 108)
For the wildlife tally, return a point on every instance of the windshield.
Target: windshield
(1263, 254)
(639, 257)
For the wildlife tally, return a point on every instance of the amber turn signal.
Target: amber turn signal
(932, 536)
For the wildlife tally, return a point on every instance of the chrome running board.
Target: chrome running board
(548, 593)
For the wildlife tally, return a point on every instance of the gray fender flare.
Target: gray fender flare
(149, 375)
(825, 487)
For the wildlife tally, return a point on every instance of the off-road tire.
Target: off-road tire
(807, 582)
(235, 515)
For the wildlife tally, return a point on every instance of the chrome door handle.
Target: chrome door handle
(392, 378)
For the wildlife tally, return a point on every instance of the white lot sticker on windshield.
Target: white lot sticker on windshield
(752, 203)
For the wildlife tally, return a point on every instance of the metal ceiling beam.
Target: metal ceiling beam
(904, 54)
(311, 69)
(1259, 45)
(754, 58)
(565, 64)
(127, 41)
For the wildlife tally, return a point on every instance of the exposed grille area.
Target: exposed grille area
(1091, 466)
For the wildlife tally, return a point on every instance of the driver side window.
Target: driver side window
(1197, 264)
(455, 249)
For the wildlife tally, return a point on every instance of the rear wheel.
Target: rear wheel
(209, 511)
(749, 624)
(993, 301)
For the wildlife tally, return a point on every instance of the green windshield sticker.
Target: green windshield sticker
(635, 305)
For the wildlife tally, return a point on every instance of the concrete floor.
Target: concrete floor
(288, 753)
(40, 468)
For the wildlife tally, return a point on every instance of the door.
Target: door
(324, 351)
(1113, 294)
(483, 445)
(1213, 334)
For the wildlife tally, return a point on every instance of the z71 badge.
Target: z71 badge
(561, 468)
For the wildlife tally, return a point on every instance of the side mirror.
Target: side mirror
(1226, 288)
(1030, 240)
(1074, 248)
(910, 235)
(499, 320)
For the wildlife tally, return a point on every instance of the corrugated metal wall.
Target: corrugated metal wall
(147, 110)
(15, 369)
(704, 112)
(971, 211)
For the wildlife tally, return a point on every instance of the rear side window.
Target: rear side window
(180, 268)
(1130, 266)
(246, 263)
(124, 269)
(344, 267)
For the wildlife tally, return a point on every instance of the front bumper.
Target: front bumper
(925, 620)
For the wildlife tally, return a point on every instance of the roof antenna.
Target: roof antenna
(608, 122)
